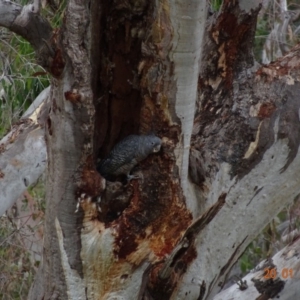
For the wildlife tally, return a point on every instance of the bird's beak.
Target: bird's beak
(156, 148)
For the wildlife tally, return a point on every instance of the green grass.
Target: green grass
(19, 84)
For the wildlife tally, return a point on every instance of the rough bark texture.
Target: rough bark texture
(244, 146)
(69, 139)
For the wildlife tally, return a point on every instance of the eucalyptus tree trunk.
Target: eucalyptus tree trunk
(122, 68)
(228, 164)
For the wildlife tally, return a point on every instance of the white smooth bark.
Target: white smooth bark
(188, 19)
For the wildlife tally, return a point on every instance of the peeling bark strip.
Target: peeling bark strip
(222, 130)
(16, 162)
(193, 231)
(23, 154)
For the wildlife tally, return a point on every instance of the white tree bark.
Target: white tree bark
(23, 156)
(188, 20)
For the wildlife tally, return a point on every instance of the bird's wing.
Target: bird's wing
(122, 154)
(125, 151)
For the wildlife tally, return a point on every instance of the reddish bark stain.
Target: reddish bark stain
(228, 26)
(266, 110)
(283, 66)
(72, 97)
(155, 211)
(54, 105)
(2, 148)
(128, 229)
(91, 182)
(49, 127)
(158, 285)
(58, 64)
(126, 245)
(229, 23)
(189, 257)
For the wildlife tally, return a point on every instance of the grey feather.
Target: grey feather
(127, 154)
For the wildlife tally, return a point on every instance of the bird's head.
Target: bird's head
(155, 143)
(152, 143)
(147, 144)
